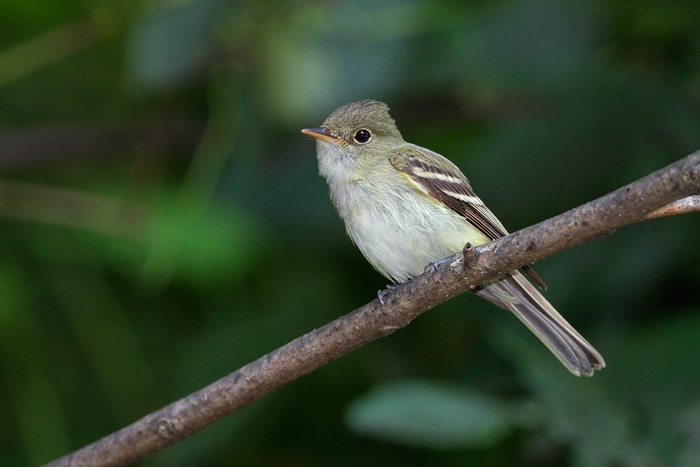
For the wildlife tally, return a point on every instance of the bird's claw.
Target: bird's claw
(382, 293)
(434, 266)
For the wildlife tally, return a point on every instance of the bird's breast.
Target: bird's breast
(396, 227)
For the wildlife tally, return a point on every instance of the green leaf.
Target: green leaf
(428, 414)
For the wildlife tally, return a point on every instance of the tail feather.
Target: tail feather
(516, 294)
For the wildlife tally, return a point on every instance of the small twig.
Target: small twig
(30, 147)
(682, 206)
(468, 255)
(91, 212)
(593, 220)
(47, 48)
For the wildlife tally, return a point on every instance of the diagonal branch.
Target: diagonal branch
(464, 271)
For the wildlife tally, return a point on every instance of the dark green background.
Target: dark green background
(162, 223)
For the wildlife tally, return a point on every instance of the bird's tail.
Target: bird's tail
(516, 294)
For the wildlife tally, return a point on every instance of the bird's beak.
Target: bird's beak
(322, 133)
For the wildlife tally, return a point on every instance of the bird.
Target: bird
(406, 207)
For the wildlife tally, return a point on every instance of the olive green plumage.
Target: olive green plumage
(405, 206)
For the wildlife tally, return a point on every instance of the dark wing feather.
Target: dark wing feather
(448, 185)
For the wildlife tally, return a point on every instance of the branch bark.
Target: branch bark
(462, 272)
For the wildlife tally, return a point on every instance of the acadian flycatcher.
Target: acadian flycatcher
(406, 207)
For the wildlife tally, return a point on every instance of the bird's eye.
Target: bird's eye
(362, 136)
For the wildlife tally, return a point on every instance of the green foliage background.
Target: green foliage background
(162, 223)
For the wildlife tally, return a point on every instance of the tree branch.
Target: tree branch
(464, 271)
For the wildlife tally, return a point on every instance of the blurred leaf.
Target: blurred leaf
(171, 44)
(648, 385)
(13, 294)
(659, 373)
(428, 414)
(577, 412)
(533, 42)
(306, 74)
(31, 399)
(688, 425)
(206, 248)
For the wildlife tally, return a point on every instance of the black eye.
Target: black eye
(362, 136)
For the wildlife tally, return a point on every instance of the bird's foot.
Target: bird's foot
(433, 266)
(382, 293)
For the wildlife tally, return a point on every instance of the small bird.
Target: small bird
(406, 207)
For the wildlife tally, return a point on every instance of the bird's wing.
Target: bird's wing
(441, 179)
